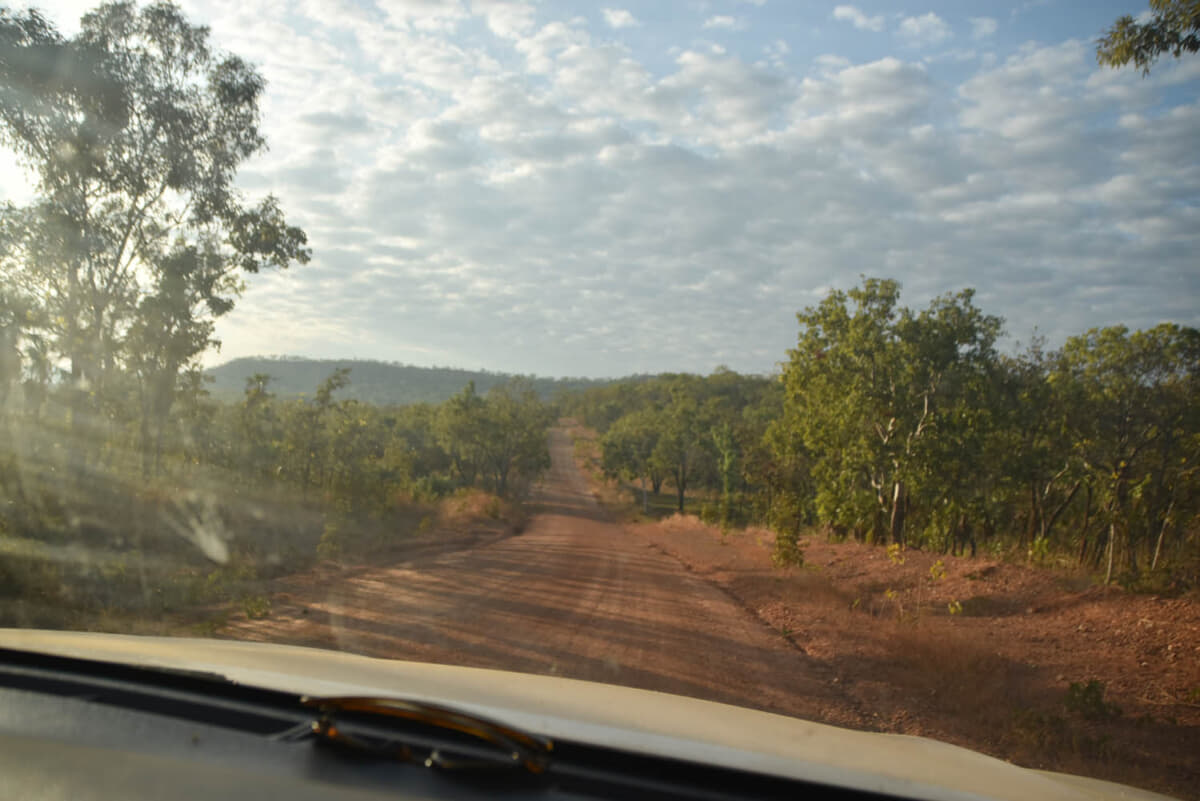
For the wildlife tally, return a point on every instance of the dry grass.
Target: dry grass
(471, 506)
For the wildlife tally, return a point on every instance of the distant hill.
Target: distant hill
(381, 383)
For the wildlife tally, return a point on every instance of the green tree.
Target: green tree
(680, 447)
(134, 130)
(628, 447)
(868, 386)
(1174, 28)
(728, 453)
(307, 432)
(460, 432)
(1131, 413)
(14, 318)
(258, 430)
(514, 433)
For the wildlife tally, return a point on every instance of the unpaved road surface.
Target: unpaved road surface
(573, 595)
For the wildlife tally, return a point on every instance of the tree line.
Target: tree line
(381, 383)
(908, 426)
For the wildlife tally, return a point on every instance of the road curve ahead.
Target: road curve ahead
(574, 595)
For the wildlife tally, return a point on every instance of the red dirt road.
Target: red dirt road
(573, 595)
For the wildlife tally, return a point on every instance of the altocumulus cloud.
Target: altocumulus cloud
(528, 188)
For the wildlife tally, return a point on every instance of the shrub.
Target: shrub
(331, 543)
(256, 607)
(788, 551)
(1087, 701)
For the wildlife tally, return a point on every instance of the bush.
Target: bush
(788, 550)
(331, 544)
(1042, 735)
(256, 607)
(1087, 701)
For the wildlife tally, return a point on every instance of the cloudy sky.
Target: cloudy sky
(570, 188)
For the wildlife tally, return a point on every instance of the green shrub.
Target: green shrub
(1042, 735)
(1087, 701)
(788, 550)
(1039, 551)
(332, 543)
(256, 607)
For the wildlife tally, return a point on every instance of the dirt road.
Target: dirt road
(677, 607)
(573, 595)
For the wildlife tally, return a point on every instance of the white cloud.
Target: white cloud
(424, 15)
(505, 18)
(619, 18)
(541, 48)
(924, 31)
(776, 52)
(564, 207)
(862, 103)
(858, 19)
(545, 200)
(724, 22)
(983, 27)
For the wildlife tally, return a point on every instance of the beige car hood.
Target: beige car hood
(638, 720)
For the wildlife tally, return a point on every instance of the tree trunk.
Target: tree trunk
(1083, 529)
(1034, 514)
(1048, 524)
(897, 521)
(147, 446)
(1131, 551)
(1112, 537)
(1162, 530)
(645, 498)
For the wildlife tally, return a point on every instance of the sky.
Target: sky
(578, 188)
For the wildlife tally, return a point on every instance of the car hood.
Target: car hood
(606, 715)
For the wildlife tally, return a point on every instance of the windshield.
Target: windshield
(838, 361)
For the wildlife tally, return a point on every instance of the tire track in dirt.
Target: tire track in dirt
(574, 595)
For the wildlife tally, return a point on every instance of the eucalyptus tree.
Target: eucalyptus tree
(133, 131)
(628, 449)
(1173, 27)
(872, 392)
(1132, 416)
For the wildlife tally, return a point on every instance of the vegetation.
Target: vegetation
(684, 431)
(123, 483)
(1173, 27)
(380, 383)
(1087, 701)
(240, 491)
(887, 424)
(909, 427)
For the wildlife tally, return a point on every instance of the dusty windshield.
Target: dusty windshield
(832, 360)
